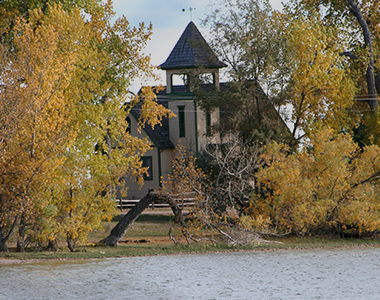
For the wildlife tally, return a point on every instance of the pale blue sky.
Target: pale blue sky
(169, 21)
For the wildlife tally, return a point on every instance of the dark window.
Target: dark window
(147, 162)
(181, 119)
(128, 119)
(208, 123)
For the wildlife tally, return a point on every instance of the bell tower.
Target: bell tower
(190, 59)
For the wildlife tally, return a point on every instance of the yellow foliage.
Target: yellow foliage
(327, 185)
(63, 141)
(255, 223)
(320, 89)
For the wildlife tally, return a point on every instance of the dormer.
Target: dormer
(190, 57)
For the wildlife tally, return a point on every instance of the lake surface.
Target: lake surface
(286, 274)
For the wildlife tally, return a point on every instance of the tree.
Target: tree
(359, 19)
(329, 187)
(357, 22)
(215, 200)
(247, 36)
(320, 90)
(34, 123)
(69, 75)
(231, 170)
(344, 35)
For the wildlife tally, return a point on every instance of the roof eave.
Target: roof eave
(193, 67)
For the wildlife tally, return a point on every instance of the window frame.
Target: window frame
(144, 160)
(181, 121)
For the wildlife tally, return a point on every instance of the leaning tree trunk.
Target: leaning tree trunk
(372, 101)
(118, 232)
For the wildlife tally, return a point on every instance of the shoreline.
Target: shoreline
(13, 260)
(153, 230)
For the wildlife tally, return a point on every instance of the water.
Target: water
(296, 274)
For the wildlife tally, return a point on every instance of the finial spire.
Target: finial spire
(191, 12)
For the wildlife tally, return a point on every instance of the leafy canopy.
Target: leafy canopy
(328, 187)
(64, 144)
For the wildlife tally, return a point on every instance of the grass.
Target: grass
(154, 230)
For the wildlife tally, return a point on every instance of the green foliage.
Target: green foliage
(246, 111)
(247, 36)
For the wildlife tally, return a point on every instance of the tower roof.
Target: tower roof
(191, 51)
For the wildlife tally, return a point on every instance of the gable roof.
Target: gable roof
(160, 133)
(191, 51)
(260, 102)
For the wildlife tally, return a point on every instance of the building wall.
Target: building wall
(135, 191)
(194, 140)
(203, 137)
(195, 119)
(190, 138)
(166, 163)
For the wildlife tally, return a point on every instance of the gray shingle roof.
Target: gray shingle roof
(160, 133)
(191, 51)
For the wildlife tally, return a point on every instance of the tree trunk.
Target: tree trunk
(176, 211)
(4, 237)
(21, 235)
(377, 81)
(71, 243)
(368, 41)
(118, 232)
(52, 246)
(3, 242)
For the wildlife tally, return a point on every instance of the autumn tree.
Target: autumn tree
(34, 125)
(63, 132)
(357, 22)
(103, 151)
(307, 185)
(330, 187)
(359, 19)
(320, 90)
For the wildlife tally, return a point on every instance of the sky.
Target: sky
(169, 21)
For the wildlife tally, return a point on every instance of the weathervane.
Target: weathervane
(191, 12)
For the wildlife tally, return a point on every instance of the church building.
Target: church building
(190, 58)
